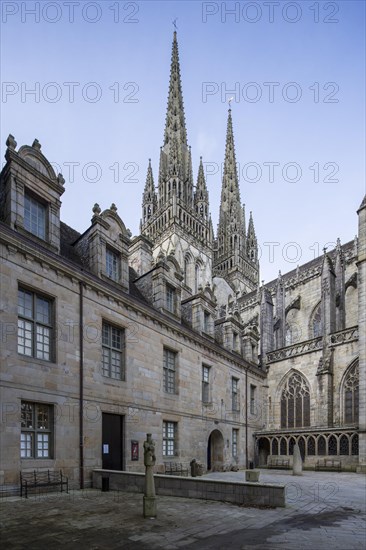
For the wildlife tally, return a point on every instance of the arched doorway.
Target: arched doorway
(263, 451)
(215, 451)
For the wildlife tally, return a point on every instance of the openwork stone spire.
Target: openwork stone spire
(231, 248)
(175, 124)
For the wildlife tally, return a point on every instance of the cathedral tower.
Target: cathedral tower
(177, 219)
(236, 254)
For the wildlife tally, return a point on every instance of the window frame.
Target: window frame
(170, 446)
(170, 298)
(34, 324)
(111, 349)
(252, 398)
(37, 431)
(113, 272)
(235, 394)
(206, 386)
(169, 373)
(35, 201)
(234, 442)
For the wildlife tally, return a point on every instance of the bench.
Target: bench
(33, 480)
(328, 464)
(176, 468)
(278, 463)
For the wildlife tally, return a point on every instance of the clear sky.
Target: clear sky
(99, 73)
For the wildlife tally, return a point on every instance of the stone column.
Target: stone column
(149, 461)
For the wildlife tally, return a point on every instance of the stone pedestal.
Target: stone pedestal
(149, 507)
(297, 462)
(252, 475)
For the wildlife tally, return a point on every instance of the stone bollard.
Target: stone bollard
(149, 461)
(297, 461)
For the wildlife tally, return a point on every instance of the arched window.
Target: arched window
(275, 447)
(316, 322)
(344, 445)
(354, 445)
(283, 446)
(311, 446)
(321, 446)
(295, 402)
(351, 385)
(332, 446)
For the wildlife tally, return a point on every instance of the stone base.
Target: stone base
(149, 507)
(252, 475)
(361, 469)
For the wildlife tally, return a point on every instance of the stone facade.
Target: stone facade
(106, 337)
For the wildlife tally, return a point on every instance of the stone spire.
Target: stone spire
(231, 261)
(201, 194)
(175, 177)
(149, 198)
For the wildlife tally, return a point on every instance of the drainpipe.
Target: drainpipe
(81, 385)
(246, 418)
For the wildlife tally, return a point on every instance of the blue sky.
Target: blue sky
(295, 69)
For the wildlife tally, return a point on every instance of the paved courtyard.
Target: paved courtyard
(324, 511)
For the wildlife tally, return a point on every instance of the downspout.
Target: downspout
(246, 418)
(81, 385)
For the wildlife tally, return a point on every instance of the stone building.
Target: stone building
(106, 337)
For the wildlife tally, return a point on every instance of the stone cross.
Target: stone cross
(149, 461)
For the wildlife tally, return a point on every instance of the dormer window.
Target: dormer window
(113, 265)
(206, 322)
(170, 298)
(34, 216)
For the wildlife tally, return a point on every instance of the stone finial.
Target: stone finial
(10, 142)
(61, 179)
(36, 145)
(129, 232)
(96, 209)
(113, 207)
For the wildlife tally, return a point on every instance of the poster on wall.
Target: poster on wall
(134, 450)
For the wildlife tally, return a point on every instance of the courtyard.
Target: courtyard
(323, 510)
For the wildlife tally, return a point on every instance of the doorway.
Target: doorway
(112, 441)
(215, 451)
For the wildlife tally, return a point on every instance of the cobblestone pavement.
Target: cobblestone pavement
(323, 511)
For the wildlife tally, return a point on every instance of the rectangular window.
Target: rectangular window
(235, 341)
(206, 322)
(36, 438)
(169, 371)
(170, 298)
(34, 217)
(113, 347)
(234, 394)
(205, 384)
(35, 325)
(113, 265)
(235, 437)
(169, 438)
(252, 398)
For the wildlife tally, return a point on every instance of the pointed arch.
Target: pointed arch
(349, 391)
(295, 401)
(316, 323)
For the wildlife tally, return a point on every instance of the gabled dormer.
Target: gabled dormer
(30, 194)
(200, 311)
(104, 246)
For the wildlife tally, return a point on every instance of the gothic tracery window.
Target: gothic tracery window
(351, 385)
(317, 326)
(295, 402)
